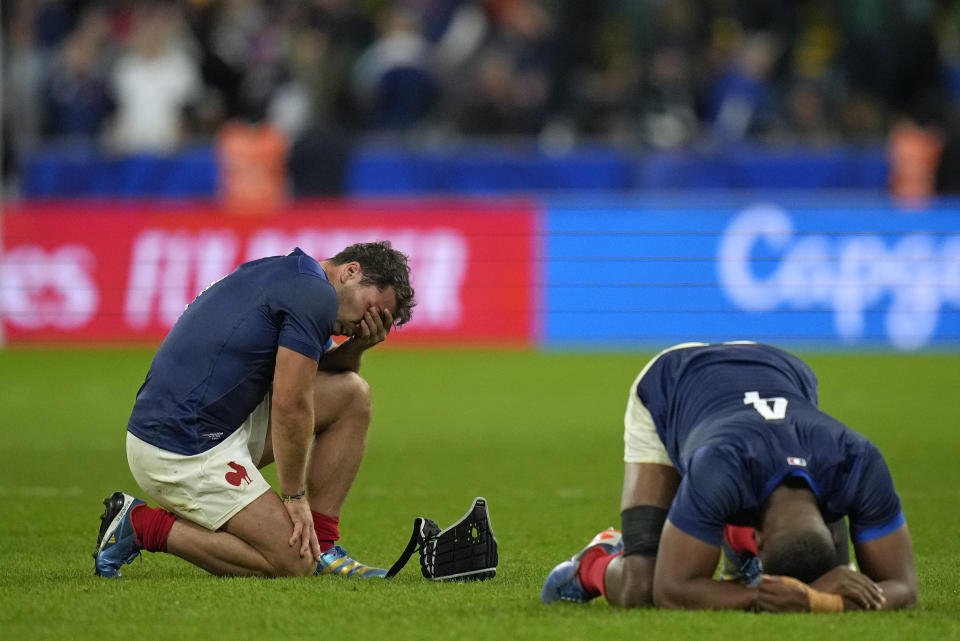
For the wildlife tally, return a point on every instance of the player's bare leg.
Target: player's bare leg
(620, 567)
(254, 542)
(342, 406)
(342, 417)
(629, 579)
(244, 547)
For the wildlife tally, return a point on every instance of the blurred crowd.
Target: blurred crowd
(152, 75)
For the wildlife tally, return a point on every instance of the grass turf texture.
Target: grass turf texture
(538, 434)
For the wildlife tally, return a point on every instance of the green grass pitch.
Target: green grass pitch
(539, 435)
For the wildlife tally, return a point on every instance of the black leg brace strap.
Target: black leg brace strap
(641, 527)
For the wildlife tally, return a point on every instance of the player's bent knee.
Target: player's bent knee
(294, 566)
(632, 587)
(638, 594)
(357, 395)
(358, 388)
(342, 396)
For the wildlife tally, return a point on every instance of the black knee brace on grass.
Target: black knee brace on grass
(641, 527)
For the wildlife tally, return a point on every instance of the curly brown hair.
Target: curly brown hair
(383, 266)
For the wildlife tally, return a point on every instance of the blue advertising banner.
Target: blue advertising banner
(831, 272)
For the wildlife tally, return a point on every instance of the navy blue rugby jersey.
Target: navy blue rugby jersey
(217, 362)
(737, 419)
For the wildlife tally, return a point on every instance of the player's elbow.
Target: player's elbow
(908, 596)
(288, 406)
(666, 602)
(667, 594)
(911, 600)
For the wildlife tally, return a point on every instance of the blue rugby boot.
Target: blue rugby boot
(337, 561)
(739, 554)
(562, 583)
(739, 565)
(116, 543)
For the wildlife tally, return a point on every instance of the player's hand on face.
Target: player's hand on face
(852, 586)
(304, 535)
(777, 595)
(373, 327)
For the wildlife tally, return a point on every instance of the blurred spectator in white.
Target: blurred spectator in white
(461, 38)
(154, 81)
(394, 79)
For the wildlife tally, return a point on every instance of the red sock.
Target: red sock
(327, 529)
(593, 567)
(151, 525)
(740, 539)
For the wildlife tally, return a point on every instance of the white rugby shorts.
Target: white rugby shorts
(641, 443)
(211, 487)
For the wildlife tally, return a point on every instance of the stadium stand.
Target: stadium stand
(496, 94)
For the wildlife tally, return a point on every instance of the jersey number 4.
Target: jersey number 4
(772, 409)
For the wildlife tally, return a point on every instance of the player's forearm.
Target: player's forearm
(292, 435)
(345, 357)
(704, 594)
(888, 561)
(897, 595)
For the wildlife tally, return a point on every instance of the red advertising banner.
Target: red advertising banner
(125, 271)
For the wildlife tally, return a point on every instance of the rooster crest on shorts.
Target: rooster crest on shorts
(238, 476)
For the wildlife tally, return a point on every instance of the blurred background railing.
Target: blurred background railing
(477, 169)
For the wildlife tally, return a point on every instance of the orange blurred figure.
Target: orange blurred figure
(252, 167)
(914, 154)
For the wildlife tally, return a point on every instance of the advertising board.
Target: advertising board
(125, 272)
(837, 272)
